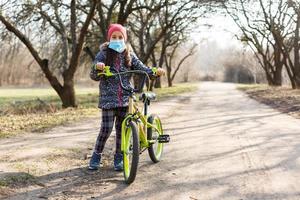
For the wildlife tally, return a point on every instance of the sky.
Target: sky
(215, 42)
(221, 31)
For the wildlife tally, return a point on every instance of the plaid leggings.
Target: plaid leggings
(108, 118)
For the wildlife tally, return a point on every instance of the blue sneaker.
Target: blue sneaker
(118, 162)
(95, 161)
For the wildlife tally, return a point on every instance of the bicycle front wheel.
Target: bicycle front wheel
(130, 152)
(155, 150)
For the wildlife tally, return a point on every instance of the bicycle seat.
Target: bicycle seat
(147, 96)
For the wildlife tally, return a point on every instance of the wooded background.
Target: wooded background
(46, 41)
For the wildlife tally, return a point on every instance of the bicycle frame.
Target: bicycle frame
(142, 122)
(134, 114)
(139, 131)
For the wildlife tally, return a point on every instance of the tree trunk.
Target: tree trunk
(157, 83)
(296, 54)
(170, 83)
(67, 94)
(296, 84)
(186, 77)
(278, 63)
(169, 76)
(278, 76)
(274, 77)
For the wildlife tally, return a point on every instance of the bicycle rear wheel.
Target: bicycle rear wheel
(155, 150)
(131, 152)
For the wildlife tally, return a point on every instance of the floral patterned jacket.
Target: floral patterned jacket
(111, 94)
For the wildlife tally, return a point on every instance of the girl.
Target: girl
(112, 99)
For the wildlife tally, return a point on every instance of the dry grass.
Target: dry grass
(36, 110)
(14, 124)
(283, 99)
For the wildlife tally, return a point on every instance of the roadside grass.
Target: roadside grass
(24, 113)
(15, 95)
(177, 89)
(17, 179)
(37, 110)
(282, 98)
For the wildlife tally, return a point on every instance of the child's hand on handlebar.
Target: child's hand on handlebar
(160, 72)
(100, 66)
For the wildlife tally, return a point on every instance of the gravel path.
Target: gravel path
(224, 145)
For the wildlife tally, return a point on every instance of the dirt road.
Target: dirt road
(224, 145)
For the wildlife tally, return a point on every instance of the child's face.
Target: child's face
(116, 35)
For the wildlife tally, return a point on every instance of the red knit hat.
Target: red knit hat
(116, 27)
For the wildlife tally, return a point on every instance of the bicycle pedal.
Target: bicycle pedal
(163, 138)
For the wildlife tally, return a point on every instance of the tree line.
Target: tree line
(62, 35)
(271, 29)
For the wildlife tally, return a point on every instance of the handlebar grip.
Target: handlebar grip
(106, 71)
(154, 70)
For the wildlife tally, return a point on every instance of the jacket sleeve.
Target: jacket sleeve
(138, 65)
(100, 57)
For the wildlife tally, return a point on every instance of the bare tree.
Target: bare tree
(149, 23)
(259, 29)
(290, 46)
(118, 11)
(71, 39)
(170, 57)
(160, 30)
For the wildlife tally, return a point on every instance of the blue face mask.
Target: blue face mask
(117, 45)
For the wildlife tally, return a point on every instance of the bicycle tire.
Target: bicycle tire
(130, 171)
(155, 150)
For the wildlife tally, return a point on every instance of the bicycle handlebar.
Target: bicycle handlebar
(106, 72)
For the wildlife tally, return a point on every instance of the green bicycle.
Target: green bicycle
(140, 131)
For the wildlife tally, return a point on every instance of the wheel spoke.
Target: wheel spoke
(155, 149)
(130, 159)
